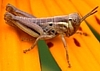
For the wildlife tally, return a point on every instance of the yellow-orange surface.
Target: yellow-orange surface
(83, 58)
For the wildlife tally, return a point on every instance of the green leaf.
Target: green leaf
(97, 35)
(47, 61)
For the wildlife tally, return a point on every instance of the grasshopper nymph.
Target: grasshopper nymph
(45, 28)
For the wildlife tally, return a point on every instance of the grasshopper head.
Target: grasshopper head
(74, 21)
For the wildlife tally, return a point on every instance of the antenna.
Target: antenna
(90, 13)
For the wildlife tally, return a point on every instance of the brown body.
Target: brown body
(45, 28)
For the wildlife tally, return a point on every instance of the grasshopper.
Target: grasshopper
(47, 27)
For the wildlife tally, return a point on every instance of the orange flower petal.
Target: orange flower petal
(85, 57)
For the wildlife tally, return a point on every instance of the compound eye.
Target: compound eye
(70, 19)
